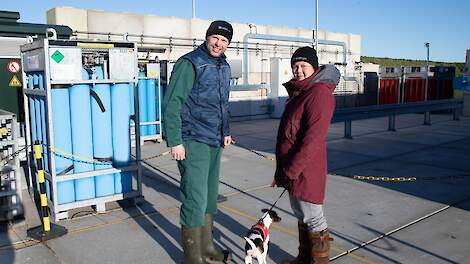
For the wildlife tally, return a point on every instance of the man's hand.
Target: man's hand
(178, 152)
(228, 141)
(274, 183)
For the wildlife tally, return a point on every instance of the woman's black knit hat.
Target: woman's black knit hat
(307, 54)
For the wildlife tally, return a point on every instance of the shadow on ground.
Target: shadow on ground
(7, 255)
(161, 227)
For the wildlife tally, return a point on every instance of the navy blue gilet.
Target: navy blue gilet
(205, 114)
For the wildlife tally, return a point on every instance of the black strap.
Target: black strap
(69, 168)
(103, 159)
(98, 100)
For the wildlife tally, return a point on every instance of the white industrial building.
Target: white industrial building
(177, 36)
(264, 47)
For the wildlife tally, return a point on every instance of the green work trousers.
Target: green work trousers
(199, 187)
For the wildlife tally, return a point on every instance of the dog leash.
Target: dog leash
(274, 204)
(271, 158)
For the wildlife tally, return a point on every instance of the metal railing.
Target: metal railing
(347, 115)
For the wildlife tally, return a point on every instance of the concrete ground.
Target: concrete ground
(392, 197)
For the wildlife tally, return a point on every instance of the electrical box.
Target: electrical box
(235, 68)
(281, 72)
(11, 94)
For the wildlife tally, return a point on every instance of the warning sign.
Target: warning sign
(57, 56)
(13, 67)
(15, 82)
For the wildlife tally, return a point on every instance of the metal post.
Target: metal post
(427, 118)
(138, 142)
(427, 72)
(48, 99)
(194, 8)
(427, 115)
(348, 129)
(401, 88)
(455, 113)
(391, 123)
(316, 25)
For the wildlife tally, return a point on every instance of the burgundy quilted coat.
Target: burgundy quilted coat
(301, 164)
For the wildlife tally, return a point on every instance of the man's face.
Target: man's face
(217, 45)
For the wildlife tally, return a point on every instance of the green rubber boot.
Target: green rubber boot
(209, 251)
(191, 239)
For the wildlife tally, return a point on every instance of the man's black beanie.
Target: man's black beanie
(307, 54)
(220, 27)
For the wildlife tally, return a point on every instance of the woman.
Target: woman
(301, 150)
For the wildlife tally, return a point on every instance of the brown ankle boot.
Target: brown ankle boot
(320, 242)
(304, 247)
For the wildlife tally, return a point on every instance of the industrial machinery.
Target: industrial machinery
(78, 98)
(10, 180)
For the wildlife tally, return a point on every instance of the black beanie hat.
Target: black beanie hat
(220, 27)
(307, 54)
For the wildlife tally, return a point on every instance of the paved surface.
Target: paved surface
(424, 219)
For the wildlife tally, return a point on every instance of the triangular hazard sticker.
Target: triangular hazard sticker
(15, 82)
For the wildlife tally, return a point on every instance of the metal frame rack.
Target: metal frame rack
(158, 136)
(40, 52)
(10, 179)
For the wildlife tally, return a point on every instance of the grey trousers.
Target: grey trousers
(309, 213)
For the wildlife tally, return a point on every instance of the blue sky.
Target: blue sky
(389, 28)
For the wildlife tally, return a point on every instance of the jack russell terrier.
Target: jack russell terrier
(257, 239)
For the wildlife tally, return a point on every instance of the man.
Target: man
(197, 127)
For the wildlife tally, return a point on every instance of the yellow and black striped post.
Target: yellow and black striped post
(42, 188)
(47, 230)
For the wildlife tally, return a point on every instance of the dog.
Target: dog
(257, 238)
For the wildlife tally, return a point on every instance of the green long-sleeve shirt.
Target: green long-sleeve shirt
(181, 83)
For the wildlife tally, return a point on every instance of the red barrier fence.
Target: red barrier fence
(388, 91)
(413, 90)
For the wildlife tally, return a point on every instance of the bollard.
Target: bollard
(347, 129)
(455, 114)
(427, 118)
(47, 230)
(42, 188)
(391, 123)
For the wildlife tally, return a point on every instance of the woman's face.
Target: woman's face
(302, 70)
